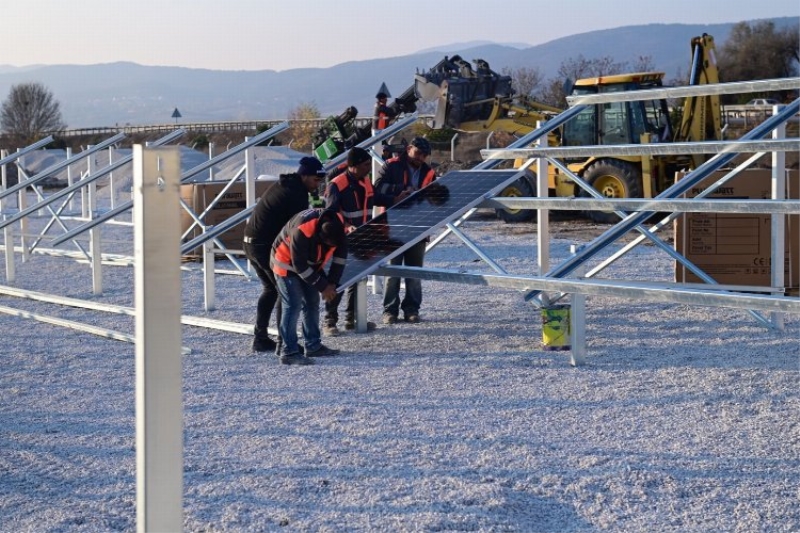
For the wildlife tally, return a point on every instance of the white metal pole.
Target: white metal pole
(778, 222)
(95, 254)
(250, 176)
(361, 306)
(70, 180)
(577, 326)
(84, 191)
(159, 408)
(211, 156)
(111, 185)
(542, 215)
(8, 232)
(209, 284)
(22, 203)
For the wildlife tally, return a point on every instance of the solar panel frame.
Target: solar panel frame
(400, 227)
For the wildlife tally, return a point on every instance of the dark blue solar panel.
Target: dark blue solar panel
(417, 217)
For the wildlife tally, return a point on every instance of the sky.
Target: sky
(282, 35)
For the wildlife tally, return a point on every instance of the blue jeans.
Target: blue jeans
(298, 296)
(412, 301)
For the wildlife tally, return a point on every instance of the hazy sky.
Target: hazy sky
(285, 34)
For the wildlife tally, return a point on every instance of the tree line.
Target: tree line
(753, 51)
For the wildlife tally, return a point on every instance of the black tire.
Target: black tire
(523, 187)
(613, 178)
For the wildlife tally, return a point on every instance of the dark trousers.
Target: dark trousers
(412, 300)
(258, 255)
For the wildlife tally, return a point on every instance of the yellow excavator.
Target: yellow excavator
(478, 99)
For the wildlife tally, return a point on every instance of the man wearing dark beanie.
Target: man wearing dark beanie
(351, 194)
(279, 203)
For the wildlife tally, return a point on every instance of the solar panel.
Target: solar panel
(421, 214)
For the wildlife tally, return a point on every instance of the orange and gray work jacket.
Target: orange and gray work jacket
(381, 116)
(396, 176)
(299, 249)
(354, 199)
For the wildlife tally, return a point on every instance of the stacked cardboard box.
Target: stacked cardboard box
(734, 248)
(199, 196)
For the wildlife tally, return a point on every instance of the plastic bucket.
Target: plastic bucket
(555, 327)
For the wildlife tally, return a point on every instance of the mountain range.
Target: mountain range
(125, 93)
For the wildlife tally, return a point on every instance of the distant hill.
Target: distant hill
(128, 93)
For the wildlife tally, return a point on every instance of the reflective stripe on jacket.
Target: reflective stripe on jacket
(299, 249)
(353, 198)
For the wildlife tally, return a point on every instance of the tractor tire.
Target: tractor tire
(522, 188)
(612, 178)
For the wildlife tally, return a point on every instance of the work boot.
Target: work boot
(296, 359)
(389, 318)
(412, 318)
(330, 330)
(350, 325)
(279, 345)
(323, 351)
(262, 342)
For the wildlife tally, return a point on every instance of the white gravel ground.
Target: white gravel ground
(683, 420)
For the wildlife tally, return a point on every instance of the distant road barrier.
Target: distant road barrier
(204, 127)
(207, 127)
(741, 115)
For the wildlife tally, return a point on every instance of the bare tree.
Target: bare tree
(575, 68)
(759, 51)
(301, 130)
(30, 112)
(524, 80)
(644, 64)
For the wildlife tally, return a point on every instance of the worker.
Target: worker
(275, 207)
(351, 194)
(305, 244)
(408, 172)
(382, 114)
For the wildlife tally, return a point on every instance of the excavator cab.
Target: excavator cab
(619, 122)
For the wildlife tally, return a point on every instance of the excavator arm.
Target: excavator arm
(701, 120)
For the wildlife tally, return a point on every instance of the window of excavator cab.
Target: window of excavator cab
(614, 123)
(580, 131)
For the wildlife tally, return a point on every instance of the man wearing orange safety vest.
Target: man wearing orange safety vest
(407, 172)
(351, 194)
(305, 244)
(382, 114)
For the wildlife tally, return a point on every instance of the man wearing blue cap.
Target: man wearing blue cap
(278, 204)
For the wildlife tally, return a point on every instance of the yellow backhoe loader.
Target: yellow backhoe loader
(478, 99)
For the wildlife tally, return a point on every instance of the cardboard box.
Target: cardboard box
(735, 249)
(200, 195)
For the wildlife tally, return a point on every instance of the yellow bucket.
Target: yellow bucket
(555, 327)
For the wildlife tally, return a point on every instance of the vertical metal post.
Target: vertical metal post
(361, 306)
(375, 282)
(84, 191)
(22, 203)
(209, 284)
(453, 147)
(159, 408)
(577, 317)
(95, 253)
(111, 185)
(778, 221)
(542, 215)
(8, 232)
(211, 156)
(70, 181)
(249, 175)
